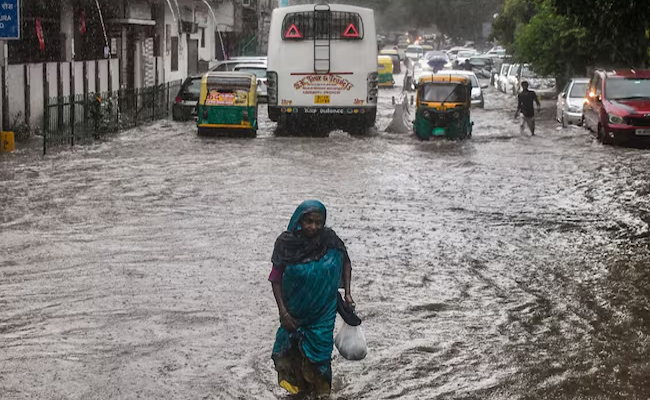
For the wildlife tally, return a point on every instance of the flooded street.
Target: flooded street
(502, 267)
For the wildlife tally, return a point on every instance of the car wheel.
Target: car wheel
(603, 137)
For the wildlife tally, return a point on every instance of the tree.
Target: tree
(515, 14)
(617, 28)
(553, 44)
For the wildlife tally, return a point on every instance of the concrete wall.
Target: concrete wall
(17, 79)
(103, 75)
(16, 86)
(35, 72)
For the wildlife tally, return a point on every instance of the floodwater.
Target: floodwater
(502, 267)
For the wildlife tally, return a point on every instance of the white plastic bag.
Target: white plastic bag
(351, 342)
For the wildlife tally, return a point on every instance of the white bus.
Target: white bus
(322, 68)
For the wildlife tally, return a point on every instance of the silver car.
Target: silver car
(260, 72)
(570, 102)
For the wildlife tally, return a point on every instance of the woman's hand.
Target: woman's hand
(349, 301)
(288, 322)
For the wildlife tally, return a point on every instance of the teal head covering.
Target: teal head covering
(292, 247)
(306, 207)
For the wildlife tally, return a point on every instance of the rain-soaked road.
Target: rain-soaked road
(503, 267)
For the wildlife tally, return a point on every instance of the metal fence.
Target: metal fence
(81, 119)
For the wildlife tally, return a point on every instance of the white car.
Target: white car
(500, 80)
(414, 52)
(571, 101)
(497, 51)
(477, 89)
(453, 52)
(543, 86)
(260, 72)
(512, 80)
(465, 55)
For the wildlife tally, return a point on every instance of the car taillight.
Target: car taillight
(178, 99)
(272, 91)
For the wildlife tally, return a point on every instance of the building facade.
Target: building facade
(87, 46)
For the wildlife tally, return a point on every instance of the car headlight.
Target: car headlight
(476, 96)
(615, 119)
(575, 109)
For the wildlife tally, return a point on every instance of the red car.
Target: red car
(617, 107)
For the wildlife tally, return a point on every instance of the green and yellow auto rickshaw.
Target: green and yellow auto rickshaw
(443, 104)
(385, 69)
(228, 103)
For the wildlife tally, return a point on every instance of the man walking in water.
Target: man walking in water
(525, 106)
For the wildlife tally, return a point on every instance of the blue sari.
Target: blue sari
(310, 292)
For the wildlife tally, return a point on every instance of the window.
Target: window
(322, 25)
(441, 92)
(578, 90)
(203, 38)
(627, 88)
(174, 53)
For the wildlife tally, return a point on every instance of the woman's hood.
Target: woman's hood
(305, 208)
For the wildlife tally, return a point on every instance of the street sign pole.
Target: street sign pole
(9, 30)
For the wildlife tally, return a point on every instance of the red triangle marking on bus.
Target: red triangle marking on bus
(351, 32)
(293, 32)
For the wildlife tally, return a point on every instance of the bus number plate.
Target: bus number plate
(321, 99)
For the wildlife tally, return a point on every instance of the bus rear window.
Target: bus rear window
(322, 25)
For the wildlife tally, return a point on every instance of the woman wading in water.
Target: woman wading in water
(309, 261)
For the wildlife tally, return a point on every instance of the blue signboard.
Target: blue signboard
(9, 20)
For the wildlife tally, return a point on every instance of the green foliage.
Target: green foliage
(617, 28)
(515, 14)
(553, 44)
(563, 37)
(21, 129)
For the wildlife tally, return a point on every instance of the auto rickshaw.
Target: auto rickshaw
(397, 60)
(385, 69)
(442, 107)
(228, 103)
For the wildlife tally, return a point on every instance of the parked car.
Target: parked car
(543, 86)
(260, 72)
(501, 80)
(570, 102)
(511, 82)
(187, 99)
(477, 89)
(617, 106)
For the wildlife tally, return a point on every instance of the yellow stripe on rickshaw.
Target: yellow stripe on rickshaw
(216, 126)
